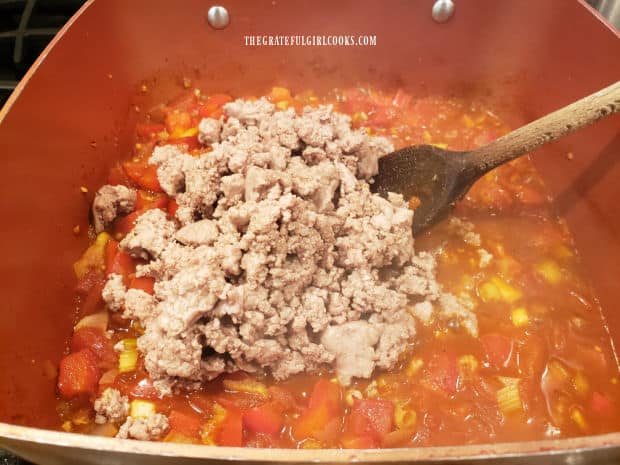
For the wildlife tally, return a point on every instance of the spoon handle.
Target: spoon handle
(548, 128)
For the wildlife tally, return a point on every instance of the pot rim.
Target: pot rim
(443, 453)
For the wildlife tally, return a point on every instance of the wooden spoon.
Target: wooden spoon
(441, 177)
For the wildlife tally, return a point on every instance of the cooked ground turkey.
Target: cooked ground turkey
(279, 258)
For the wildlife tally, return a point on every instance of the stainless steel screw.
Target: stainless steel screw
(443, 10)
(218, 17)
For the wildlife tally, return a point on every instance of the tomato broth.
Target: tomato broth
(542, 366)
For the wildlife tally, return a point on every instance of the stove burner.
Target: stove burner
(26, 27)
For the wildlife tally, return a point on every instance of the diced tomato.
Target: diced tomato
(184, 423)
(601, 404)
(95, 340)
(78, 374)
(263, 419)
(144, 284)
(125, 224)
(90, 279)
(149, 200)
(214, 105)
(442, 372)
(498, 349)
(178, 120)
(118, 261)
(173, 206)
(401, 99)
(351, 441)
(143, 174)
(149, 130)
(328, 394)
(371, 417)
(93, 300)
(231, 430)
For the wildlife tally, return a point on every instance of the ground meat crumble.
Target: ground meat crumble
(279, 258)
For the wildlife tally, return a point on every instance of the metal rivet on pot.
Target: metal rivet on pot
(218, 17)
(443, 10)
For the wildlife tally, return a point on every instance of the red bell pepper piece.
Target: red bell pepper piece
(324, 406)
(231, 430)
(95, 340)
(498, 349)
(263, 419)
(78, 374)
(144, 284)
(184, 423)
(143, 174)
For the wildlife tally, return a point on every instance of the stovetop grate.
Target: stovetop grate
(26, 27)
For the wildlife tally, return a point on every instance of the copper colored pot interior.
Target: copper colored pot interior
(68, 121)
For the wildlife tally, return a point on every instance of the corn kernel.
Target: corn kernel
(427, 136)
(141, 408)
(520, 317)
(76, 229)
(282, 105)
(577, 416)
(351, 395)
(550, 271)
(414, 366)
(440, 145)
(496, 289)
(83, 189)
(130, 343)
(613, 380)
(509, 399)
(404, 418)
(67, 426)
